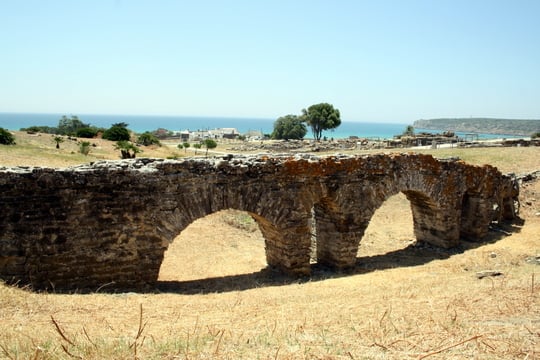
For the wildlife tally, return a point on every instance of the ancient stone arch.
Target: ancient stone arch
(109, 223)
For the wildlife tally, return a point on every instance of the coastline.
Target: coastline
(142, 123)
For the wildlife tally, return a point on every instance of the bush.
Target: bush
(535, 135)
(40, 129)
(58, 140)
(148, 139)
(240, 220)
(127, 149)
(6, 138)
(116, 133)
(87, 132)
(84, 147)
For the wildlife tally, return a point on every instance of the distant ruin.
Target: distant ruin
(109, 223)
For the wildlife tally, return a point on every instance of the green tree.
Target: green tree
(120, 124)
(6, 138)
(58, 140)
(69, 126)
(321, 117)
(127, 149)
(209, 144)
(116, 133)
(186, 145)
(88, 132)
(197, 146)
(289, 127)
(148, 139)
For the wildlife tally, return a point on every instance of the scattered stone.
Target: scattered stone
(485, 273)
(493, 255)
(534, 260)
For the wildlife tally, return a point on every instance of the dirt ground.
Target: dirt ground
(215, 301)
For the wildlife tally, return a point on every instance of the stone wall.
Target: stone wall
(109, 223)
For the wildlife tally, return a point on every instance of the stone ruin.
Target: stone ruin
(110, 222)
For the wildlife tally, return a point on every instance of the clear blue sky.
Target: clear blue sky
(387, 61)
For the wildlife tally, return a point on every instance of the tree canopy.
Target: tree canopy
(209, 144)
(289, 127)
(127, 149)
(6, 138)
(147, 139)
(58, 140)
(69, 126)
(321, 117)
(116, 133)
(87, 132)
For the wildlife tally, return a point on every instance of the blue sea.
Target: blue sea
(140, 123)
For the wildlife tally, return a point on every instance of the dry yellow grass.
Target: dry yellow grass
(40, 150)
(215, 303)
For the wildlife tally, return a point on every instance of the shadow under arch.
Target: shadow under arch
(412, 255)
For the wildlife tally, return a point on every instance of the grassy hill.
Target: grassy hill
(482, 125)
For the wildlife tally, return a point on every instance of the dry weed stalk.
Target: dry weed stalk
(140, 330)
(6, 352)
(74, 348)
(66, 339)
(61, 332)
(449, 347)
(221, 332)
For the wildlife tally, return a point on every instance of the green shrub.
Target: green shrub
(84, 147)
(116, 133)
(40, 129)
(58, 140)
(6, 138)
(148, 139)
(127, 149)
(87, 132)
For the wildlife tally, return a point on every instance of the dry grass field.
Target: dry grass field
(214, 302)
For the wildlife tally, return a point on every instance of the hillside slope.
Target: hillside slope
(481, 125)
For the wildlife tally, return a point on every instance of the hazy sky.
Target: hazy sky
(388, 61)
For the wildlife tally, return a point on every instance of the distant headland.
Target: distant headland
(482, 125)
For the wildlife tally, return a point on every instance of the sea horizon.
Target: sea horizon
(143, 123)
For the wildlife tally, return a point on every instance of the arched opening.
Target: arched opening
(224, 243)
(391, 228)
